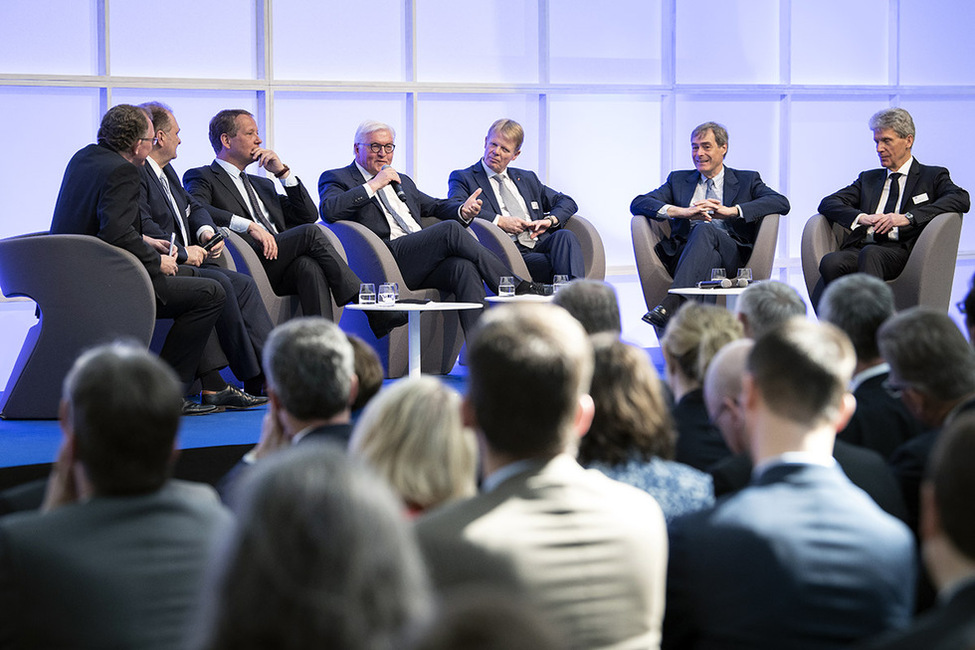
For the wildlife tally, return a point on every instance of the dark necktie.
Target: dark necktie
(256, 205)
(400, 221)
(894, 193)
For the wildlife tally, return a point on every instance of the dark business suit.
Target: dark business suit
(557, 250)
(881, 422)
(928, 192)
(112, 572)
(443, 256)
(951, 626)
(100, 196)
(244, 323)
(307, 264)
(692, 251)
(799, 559)
(699, 443)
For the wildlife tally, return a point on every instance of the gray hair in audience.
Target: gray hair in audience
(371, 126)
(534, 345)
(802, 370)
(858, 304)
(412, 435)
(592, 303)
(950, 472)
(122, 126)
(720, 133)
(897, 119)
(766, 305)
(321, 558)
(161, 115)
(123, 405)
(224, 122)
(309, 365)
(926, 350)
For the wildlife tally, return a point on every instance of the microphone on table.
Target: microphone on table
(723, 283)
(397, 188)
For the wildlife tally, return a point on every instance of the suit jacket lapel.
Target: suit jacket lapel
(487, 191)
(269, 197)
(224, 178)
(912, 177)
(526, 192)
(177, 191)
(361, 180)
(687, 191)
(873, 190)
(730, 190)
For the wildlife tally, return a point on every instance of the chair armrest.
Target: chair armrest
(593, 251)
(654, 278)
(763, 252)
(930, 270)
(498, 242)
(818, 239)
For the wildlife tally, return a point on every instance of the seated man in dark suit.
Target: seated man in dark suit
(801, 558)
(517, 202)
(100, 196)
(948, 541)
(859, 304)
(116, 556)
(280, 228)
(714, 214)
(886, 209)
(173, 218)
(443, 256)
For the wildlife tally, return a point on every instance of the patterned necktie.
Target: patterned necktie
(256, 205)
(515, 210)
(172, 202)
(400, 221)
(711, 193)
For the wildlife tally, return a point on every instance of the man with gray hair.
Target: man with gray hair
(766, 305)
(440, 256)
(593, 303)
(886, 209)
(859, 304)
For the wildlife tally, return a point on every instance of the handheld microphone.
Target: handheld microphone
(723, 283)
(397, 188)
(742, 282)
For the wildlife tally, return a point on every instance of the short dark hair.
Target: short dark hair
(632, 417)
(122, 126)
(368, 370)
(540, 346)
(123, 405)
(858, 304)
(160, 114)
(950, 471)
(720, 133)
(802, 370)
(224, 122)
(309, 365)
(592, 303)
(926, 350)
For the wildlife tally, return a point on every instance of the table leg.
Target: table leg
(413, 325)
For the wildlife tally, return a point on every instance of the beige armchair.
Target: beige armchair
(654, 278)
(930, 270)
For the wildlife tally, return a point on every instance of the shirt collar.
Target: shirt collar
(365, 173)
(718, 180)
(869, 373)
(793, 458)
(490, 172)
(230, 168)
(502, 474)
(156, 169)
(903, 169)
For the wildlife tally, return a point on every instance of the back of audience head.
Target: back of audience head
(930, 361)
(309, 367)
(540, 346)
(693, 336)
(722, 393)
(969, 310)
(368, 371)
(321, 558)
(802, 370)
(766, 305)
(592, 303)
(122, 127)
(858, 304)
(121, 406)
(632, 417)
(412, 435)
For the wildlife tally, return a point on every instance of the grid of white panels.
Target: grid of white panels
(608, 92)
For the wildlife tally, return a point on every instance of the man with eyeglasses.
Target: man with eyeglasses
(100, 196)
(441, 256)
(714, 213)
(280, 228)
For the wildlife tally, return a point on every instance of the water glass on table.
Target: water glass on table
(558, 282)
(367, 293)
(387, 296)
(506, 288)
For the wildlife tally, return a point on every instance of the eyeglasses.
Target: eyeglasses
(894, 389)
(376, 147)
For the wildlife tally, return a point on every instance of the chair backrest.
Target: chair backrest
(87, 292)
(763, 252)
(246, 260)
(819, 237)
(593, 251)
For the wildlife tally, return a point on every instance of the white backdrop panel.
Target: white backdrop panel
(48, 37)
(823, 47)
(727, 41)
(936, 45)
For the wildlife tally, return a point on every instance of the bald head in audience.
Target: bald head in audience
(722, 393)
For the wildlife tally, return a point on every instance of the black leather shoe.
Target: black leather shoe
(657, 317)
(530, 288)
(232, 397)
(192, 408)
(383, 322)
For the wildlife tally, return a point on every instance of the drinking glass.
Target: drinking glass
(367, 293)
(745, 274)
(559, 282)
(506, 288)
(386, 294)
(718, 274)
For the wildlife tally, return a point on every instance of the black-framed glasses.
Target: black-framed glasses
(376, 147)
(894, 389)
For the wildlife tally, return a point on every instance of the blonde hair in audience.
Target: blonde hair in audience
(694, 335)
(412, 435)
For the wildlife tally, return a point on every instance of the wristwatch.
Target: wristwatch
(910, 218)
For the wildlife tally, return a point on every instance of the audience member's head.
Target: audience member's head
(126, 130)
(968, 306)
(412, 435)
(632, 418)
(368, 370)
(322, 558)
(947, 526)
(722, 393)
(121, 407)
(859, 304)
(309, 367)
(534, 345)
(487, 621)
(799, 374)
(592, 303)
(931, 364)
(765, 305)
(694, 335)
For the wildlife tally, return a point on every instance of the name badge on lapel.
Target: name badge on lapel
(920, 198)
(534, 205)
